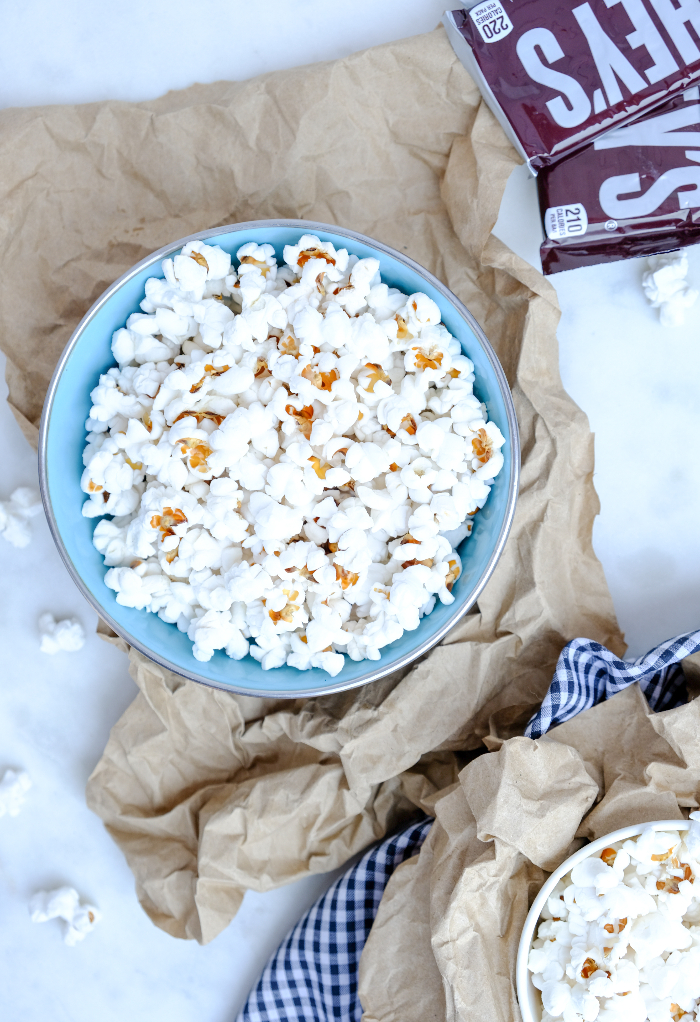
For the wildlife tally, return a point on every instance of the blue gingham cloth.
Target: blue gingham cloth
(313, 975)
(587, 673)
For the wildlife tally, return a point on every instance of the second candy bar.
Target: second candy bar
(634, 192)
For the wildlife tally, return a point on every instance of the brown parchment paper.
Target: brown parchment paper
(206, 793)
(453, 914)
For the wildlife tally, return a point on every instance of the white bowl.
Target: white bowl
(528, 995)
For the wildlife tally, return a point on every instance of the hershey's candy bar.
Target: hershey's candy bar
(634, 192)
(559, 73)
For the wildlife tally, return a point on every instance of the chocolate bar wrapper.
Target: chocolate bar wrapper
(559, 73)
(634, 192)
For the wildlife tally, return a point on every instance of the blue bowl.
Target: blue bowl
(62, 439)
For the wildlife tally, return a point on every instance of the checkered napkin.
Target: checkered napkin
(587, 673)
(313, 975)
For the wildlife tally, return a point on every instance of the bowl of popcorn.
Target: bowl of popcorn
(279, 458)
(614, 933)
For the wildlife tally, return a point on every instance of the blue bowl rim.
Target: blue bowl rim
(307, 226)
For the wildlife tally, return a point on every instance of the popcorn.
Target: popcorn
(60, 636)
(619, 940)
(212, 631)
(278, 455)
(16, 513)
(13, 791)
(198, 263)
(64, 903)
(666, 288)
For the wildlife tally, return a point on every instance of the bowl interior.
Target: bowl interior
(528, 995)
(65, 439)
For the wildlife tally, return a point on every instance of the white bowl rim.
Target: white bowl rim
(522, 975)
(513, 482)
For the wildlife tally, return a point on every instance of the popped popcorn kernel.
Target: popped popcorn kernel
(482, 446)
(285, 456)
(426, 358)
(589, 967)
(303, 418)
(13, 791)
(376, 375)
(67, 635)
(453, 572)
(200, 416)
(16, 513)
(64, 903)
(319, 469)
(666, 287)
(165, 521)
(323, 381)
(402, 333)
(199, 258)
(346, 578)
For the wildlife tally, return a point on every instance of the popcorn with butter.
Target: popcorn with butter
(282, 450)
(619, 939)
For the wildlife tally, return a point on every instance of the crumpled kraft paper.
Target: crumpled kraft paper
(453, 914)
(207, 793)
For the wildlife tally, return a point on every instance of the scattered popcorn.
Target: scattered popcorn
(13, 791)
(15, 513)
(56, 636)
(667, 289)
(64, 903)
(619, 939)
(279, 456)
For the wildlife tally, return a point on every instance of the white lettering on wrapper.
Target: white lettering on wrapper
(491, 20)
(609, 60)
(566, 221)
(646, 34)
(613, 190)
(674, 19)
(580, 105)
(656, 131)
(599, 103)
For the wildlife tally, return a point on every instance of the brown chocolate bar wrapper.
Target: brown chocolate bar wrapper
(634, 192)
(560, 73)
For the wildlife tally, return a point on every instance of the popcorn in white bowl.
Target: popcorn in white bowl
(614, 933)
(285, 451)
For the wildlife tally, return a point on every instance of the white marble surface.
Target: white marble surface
(55, 716)
(637, 382)
(77, 52)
